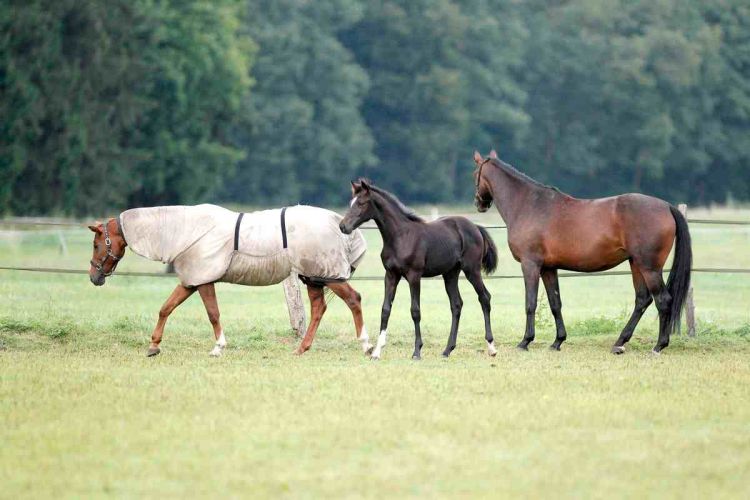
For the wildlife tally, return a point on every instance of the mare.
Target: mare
(550, 230)
(109, 248)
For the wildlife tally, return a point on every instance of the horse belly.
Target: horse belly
(258, 270)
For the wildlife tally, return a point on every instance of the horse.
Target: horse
(550, 230)
(414, 248)
(209, 244)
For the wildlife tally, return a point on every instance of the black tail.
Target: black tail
(678, 282)
(489, 259)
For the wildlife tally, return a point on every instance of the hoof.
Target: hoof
(655, 352)
(554, 347)
(299, 352)
(152, 351)
(493, 353)
(522, 347)
(215, 354)
(618, 349)
(368, 351)
(375, 358)
(446, 355)
(416, 357)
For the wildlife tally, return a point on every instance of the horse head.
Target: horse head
(109, 248)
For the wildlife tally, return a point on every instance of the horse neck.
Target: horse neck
(390, 220)
(509, 193)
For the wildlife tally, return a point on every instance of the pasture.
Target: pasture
(85, 413)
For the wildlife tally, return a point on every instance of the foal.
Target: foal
(550, 230)
(413, 248)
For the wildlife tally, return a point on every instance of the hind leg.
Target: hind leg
(552, 286)
(451, 288)
(663, 301)
(317, 309)
(475, 278)
(642, 301)
(354, 301)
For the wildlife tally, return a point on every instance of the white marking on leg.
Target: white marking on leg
(379, 346)
(219, 346)
(365, 340)
(491, 350)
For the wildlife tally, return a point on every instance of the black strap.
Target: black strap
(237, 232)
(283, 226)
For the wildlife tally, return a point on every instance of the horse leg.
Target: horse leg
(317, 309)
(552, 286)
(663, 301)
(178, 296)
(531, 272)
(416, 314)
(391, 282)
(354, 300)
(475, 278)
(454, 296)
(208, 296)
(642, 301)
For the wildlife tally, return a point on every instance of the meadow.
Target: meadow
(83, 412)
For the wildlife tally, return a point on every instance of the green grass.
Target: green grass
(84, 413)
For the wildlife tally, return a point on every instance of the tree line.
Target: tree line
(106, 104)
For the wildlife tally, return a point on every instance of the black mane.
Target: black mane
(520, 175)
(406, 211)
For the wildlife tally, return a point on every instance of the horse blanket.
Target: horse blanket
(208, 243)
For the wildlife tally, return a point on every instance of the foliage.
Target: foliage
(114, 104)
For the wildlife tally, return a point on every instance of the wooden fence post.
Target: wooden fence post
(689, 304)
(295, 305)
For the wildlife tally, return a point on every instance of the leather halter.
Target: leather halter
(99, 266)
(479, 177)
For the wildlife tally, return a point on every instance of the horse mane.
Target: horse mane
(510, 169)
(390, 197)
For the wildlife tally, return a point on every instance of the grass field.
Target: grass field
(84, 413)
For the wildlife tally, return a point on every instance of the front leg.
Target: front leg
(416, 315)
(208, 295)
(531, 279)
(179, 294)
(391, 282)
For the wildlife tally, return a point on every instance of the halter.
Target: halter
(99, 266)
(479, 176)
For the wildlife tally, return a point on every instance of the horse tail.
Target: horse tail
(489, 256)
(678, 282)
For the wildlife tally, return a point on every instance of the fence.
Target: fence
(294, 300)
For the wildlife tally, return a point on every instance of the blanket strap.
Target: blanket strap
(283, 226)
(237, 232)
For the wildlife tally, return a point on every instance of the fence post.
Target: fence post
(295, 305)
(689, 304)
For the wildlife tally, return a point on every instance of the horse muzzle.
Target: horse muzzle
(344, 229)
(482, 205)
(97, 279)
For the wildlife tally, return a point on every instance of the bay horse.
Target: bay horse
(414, 248)
(550, 230)
(110, 243)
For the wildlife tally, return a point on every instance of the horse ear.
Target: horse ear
(356, 187)
(365, 185)
(478, 158)
(96, 227)
(493, 154)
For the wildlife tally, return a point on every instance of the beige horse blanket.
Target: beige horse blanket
(200, 242)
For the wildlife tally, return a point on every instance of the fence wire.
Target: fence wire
(43, 222)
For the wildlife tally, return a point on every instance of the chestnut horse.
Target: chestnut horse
(550, 230)
(109, 249)
(413, 248)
